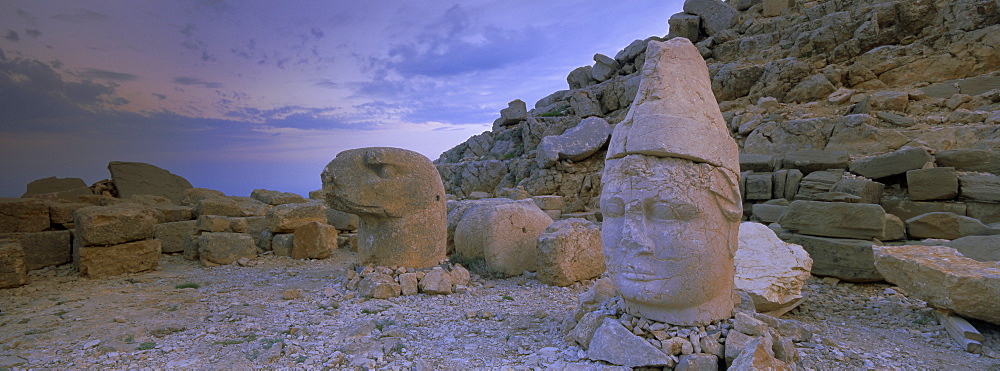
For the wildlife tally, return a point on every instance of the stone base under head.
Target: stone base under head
(399, 198)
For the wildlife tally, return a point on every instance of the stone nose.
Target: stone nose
(635, 236)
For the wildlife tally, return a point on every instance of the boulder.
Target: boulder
(12, 267)
(981, 248)
(604, 68)
(213, 223)
(515, 112)
(471, 248)
(715, 14)
(834, 219)
(222, 248)
(685, 25)
(943, 278)
(580, 78)
(758, 355)
(289, 217)
(437, 281)
(981, 160)
(893, 163)
(506, 234)
(23, 215)
(770, 270)
(277, 198)
(940, 183)
(341, 220)
(948, 226)
(117, 224)
(575, 144)
(980, 187)
(615, 344)
(105, 261)
(282, 244)
(846, 259)
(314, 240)
(137, 178)
(171, 235)
(44, 249)
(378, 286)
(569, 251)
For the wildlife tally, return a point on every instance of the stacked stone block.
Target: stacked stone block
(114, 240)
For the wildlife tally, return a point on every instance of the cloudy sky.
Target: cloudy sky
(238, 95)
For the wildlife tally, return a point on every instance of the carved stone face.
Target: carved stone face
(669, 236)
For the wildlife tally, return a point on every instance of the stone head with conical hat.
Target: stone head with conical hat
(670, 195)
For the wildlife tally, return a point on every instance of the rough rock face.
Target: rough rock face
(61, 188)
(12, 268)
(137, 178)
(314, 241)
(944, 278)
(575, 144)
(670, 195)
(105, 261)
(111, 225)
(569, 251)
(23, 215)
(505, 234)
(221, 248)
(400, 200)
(770, 270)
(835, 219)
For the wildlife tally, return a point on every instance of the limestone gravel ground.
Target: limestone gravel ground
(283, 313)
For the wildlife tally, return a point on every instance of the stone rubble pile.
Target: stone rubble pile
(381, 282)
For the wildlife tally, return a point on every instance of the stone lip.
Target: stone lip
(944, 278)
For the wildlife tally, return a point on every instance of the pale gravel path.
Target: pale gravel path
(239, 319)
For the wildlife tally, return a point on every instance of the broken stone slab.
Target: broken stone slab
(757, 163)
(846, 259)
(54, 185)
(715, 15)
(943, 278)
(44, 249)
(615, 344)
(980, 187)
(341, 220)
(23, 215)
(314, 240)
(948, 226)
(758, 186)
(815, 183)
(171, 235)
(909, 209)
(576, 144)
(893, 163)
(768, 213)
(116, 224)
(834, 219)
(940, 183)
(12, 268)
(895, 119)
(869, 192)
(811, 160)
(981, 248)
(773, 272)
(569, 251)
(277, 198)
(980, 160)
(222, 248)
(137, 178)
(61, 213)
(106, 261)
(289, 217)
(895, 228)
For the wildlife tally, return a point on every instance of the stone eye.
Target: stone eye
(673, 211)
(612, 207)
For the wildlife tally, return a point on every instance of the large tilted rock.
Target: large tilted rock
(948, 226)
(981, 248)
(970, 160)
(980, 187)
(60, 188)
(574, 144)
(943, 278)
(939, 183)
(615, 344)
(399, 197)
(844, 258)
(715, 14)
(834, 219)
(892, 163)
(504, 234)
(137, 178)
(23, 215)
(570, 251)
(770, 270)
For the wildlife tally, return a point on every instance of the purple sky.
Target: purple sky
(238, 95)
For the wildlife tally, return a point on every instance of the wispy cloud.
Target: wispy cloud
(96, 73)
(12, 35)
(194, 81)
(82, 15)
(33, 33)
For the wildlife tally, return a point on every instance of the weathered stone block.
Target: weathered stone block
(846, 259)
(685, 25)
(105, 261)
(506, 235)
(282, 244)
(43, 249)
(834, 219)
(12, 268)
(549, 202)
(987, 213)
(277, 198)
(771, 271)
(756, 163)
(939, 183)
(970, 160)
(908, 209)
(569, 251)
(768, 213)
(314, 240)
(23, 215)
(136, 178)
(289, 217)
(870, 192)
(113, 225)
(892, 163)
(341, 220)
(221, 248)
(980, 187)
(758, 186)
(62, 212)
(811, 160)
(946, 226)
(171, 235)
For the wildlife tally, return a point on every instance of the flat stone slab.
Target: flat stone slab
(834, 219)
(847, 259)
